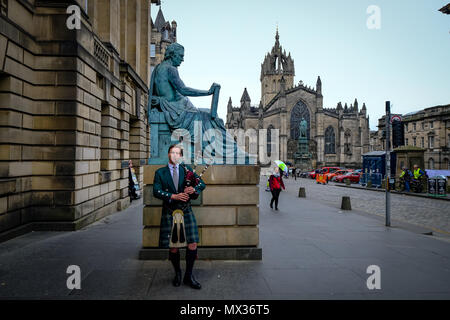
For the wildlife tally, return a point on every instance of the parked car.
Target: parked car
(330, 176)
(304, 174)
(352, 176)
(312, 174)
(326, 170)
(323, 170)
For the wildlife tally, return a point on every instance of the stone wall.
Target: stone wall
(227, 213)
(72, 112)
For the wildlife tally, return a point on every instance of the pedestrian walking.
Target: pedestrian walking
(275, 183)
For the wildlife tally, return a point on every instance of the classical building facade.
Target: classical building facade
(72, 110)
(430, 129)
(337, 136)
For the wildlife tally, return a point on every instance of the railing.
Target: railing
(101, 53)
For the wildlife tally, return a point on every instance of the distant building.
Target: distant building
(378, 138)
(163, 34)
(430, 129)
(375, 141)
(337, 136)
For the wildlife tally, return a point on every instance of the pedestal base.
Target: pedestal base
(206, 253)
(227, 214)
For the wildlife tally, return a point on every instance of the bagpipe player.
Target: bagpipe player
(178, 224)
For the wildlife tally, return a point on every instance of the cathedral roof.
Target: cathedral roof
(160, 20)
(276, 61)
(445, 9)
(245, 97)
(298, 87)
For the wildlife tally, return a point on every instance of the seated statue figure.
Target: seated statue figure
(170, 95)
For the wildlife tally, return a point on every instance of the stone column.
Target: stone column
(341, 143)
(144, 71)
(283, 128)
(134, 34)
(93, 13)
(123, 29)
(109, 22)
(319, 137)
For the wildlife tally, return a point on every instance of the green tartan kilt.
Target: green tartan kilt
(190, 227)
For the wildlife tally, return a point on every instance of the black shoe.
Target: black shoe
(271, 206)
(276, 209)
(190, 280)
(177, 279)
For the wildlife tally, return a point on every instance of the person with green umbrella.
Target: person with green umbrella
(275, 184)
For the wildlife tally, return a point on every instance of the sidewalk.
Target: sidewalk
(310, 251)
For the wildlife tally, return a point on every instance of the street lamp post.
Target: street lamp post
(388, 163)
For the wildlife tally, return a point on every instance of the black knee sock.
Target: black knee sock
(191, 255)
(174, 257)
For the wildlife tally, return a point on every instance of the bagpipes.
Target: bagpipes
(190, 180)
(178, 238)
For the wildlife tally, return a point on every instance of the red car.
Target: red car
(352, 176)
(330, 176)
(312, 174)
(323, 170)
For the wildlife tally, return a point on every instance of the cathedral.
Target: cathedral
(336, 136)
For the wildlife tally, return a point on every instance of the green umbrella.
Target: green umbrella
(281, 165)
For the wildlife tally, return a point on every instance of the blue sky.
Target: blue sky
(406, 61)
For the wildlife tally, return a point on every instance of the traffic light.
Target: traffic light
(398, 137)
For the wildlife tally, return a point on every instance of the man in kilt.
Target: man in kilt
(168, 186)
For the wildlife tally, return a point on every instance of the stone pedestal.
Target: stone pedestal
(227, 214)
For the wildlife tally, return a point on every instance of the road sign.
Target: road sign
(396, 117)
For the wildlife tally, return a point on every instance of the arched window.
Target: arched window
(269, 140)
(431, 164)
(348, 142)
(330, 141)
(299, 111)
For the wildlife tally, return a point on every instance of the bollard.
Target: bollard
(346, 205)
(301, 192)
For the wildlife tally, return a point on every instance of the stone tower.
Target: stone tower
(275, 66)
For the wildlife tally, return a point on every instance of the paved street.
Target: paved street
(431, 214)
(311, 250)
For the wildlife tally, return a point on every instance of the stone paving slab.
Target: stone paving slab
(429, 213)
(311, 250)
(412, 194)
